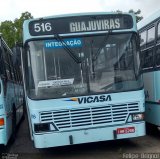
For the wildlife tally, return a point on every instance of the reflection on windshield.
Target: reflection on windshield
(52, 73)
(66, 44)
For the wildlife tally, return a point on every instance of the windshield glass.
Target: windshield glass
(84, 66)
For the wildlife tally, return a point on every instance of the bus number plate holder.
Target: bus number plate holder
(125, 130)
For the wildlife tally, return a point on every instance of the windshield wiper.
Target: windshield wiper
(102, 45)
(69, 51)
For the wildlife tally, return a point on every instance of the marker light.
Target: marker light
(138, 117)
(1, 121)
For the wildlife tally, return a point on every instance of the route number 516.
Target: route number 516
(42, 27)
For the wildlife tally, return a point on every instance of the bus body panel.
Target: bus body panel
(6, 104)
(157, 89)
(3, 138)
(5, 114)
(8, 101)
(152, 113)
(36, 106)
(152, 91)
(151, 80)
(89, 133)
(149, 86)
(86, 136)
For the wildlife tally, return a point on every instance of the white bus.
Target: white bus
(11, 93)
(83, 78)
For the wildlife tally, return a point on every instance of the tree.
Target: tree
(137, 14)
(18, 23)
(12, 31)
(8, 32)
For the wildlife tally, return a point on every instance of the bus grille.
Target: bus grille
(88, 117)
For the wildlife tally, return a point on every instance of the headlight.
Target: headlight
(41, 127)
(44, 127)
(137, 117)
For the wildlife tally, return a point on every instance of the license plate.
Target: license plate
(126, 130)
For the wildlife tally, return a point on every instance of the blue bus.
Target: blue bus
(82, 78)
(149, 30)
(11, 93)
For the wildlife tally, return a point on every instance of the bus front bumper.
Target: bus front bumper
(55, 139)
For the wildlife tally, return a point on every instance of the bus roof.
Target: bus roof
(80, 14)
(153, 17)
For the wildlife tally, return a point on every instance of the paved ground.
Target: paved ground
(23, 148)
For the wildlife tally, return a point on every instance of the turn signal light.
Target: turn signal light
(1, 121)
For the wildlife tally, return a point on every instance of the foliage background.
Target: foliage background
(12, 30)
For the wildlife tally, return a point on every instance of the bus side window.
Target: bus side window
(7, 63)
(151, 35)
(159, 30)
(147, 59)
(157, 56)
(1, 63)
(3, 72)
(143, 37)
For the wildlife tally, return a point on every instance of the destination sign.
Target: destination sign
(78, 24)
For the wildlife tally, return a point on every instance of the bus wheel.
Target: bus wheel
(13, 136)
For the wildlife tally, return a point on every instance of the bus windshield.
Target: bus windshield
(105, 65)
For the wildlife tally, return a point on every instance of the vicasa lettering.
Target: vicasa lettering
(95, 25)
(93, 99)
